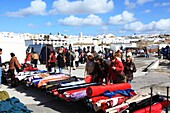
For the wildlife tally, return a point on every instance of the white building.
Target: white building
(55, 43)
(15, 45)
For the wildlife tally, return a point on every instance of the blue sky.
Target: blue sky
(92, 17)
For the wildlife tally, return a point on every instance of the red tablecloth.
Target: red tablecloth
(97, 90)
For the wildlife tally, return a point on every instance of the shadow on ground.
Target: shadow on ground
(50, 103)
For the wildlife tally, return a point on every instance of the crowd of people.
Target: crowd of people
(111, 67)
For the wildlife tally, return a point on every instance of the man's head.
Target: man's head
(0, 51)
(52, 52)
(99, 60)
(90, 56)
(118, 53)
(128, 58)
(12, 54)
(61, 51)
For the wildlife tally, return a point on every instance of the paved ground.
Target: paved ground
(39, 102)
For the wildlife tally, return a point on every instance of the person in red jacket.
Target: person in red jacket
(116, 68)
(28, 57)
(52, 62)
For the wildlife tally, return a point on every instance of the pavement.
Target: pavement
(40, 102)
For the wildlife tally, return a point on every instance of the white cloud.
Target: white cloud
(147, 11)
(104, 28)
(129, 4)
(138, 26)
(37, 7)
(162, 4)
(81, 6)
(161, 25)
(123, 18)
(168, 9)
(121, 31)
(132, 5)
(165, 3)
(65, 30)
(31, 25)
(75, 21)
(156, 4)
(141, 2)
(48, 23)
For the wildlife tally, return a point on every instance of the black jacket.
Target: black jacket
(100, 71)
(60, 60)
(129, 69)
(69, 59)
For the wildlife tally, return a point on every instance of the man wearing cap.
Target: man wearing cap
(90, 64)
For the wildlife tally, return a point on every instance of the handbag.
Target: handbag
(121, 78)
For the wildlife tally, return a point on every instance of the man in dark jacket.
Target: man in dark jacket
(69, 60)
(100, 71)
(129, 69)
(61, 61)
